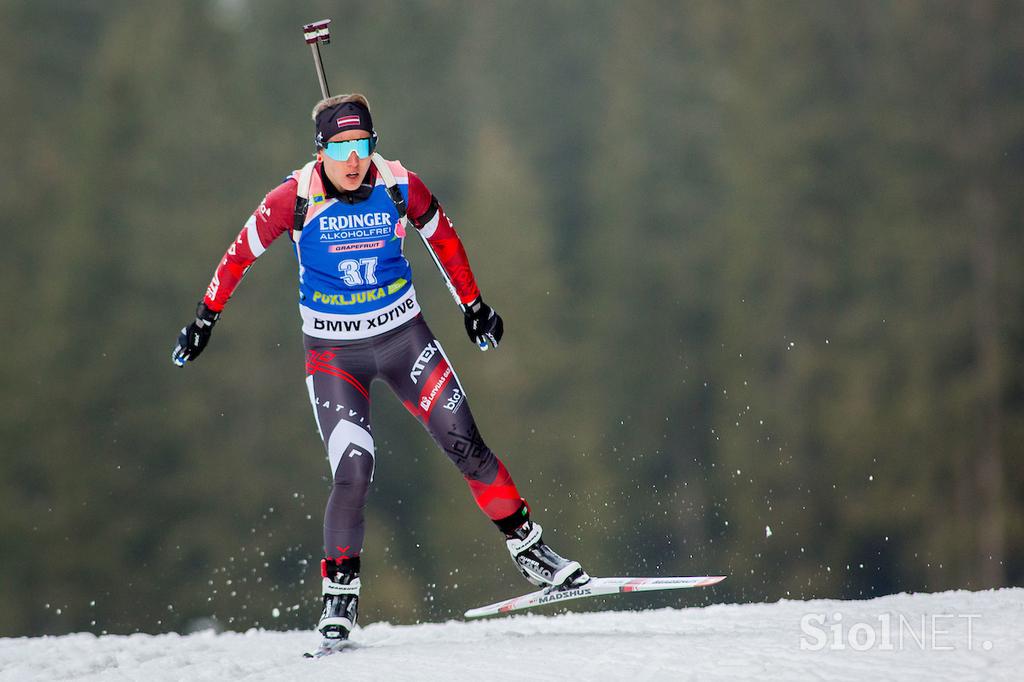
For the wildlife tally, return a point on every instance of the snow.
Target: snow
(944, 636)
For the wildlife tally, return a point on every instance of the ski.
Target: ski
(330, 646)
(593, 588)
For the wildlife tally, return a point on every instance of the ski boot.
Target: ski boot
(341, 597)
(539, 563)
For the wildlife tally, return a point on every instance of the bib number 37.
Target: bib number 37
(356, 272)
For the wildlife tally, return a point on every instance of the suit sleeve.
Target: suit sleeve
(272, 218)
(430, 219)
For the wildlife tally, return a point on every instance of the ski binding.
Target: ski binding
(331, 645)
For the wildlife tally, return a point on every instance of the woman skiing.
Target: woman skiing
(347, 213)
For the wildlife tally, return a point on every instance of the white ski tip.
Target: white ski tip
(712, 580)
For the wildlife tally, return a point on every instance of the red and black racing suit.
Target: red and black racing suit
(345, 352)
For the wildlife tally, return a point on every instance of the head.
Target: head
(344, 118)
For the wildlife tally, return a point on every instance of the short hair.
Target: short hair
(340, 99)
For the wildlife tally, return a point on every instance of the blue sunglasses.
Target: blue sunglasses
(340, 151)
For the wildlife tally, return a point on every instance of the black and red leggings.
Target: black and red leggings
(411, 361)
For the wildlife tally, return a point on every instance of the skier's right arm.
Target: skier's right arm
(272, 218)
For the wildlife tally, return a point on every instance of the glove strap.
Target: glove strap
(204, 316)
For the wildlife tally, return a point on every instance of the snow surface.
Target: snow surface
(963, 636)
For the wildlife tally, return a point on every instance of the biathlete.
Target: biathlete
(346, 213)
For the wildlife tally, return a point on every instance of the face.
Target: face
(346, 175)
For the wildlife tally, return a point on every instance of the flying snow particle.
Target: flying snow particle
(276, 613)
(767, 531)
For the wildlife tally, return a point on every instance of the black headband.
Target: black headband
(344, 116)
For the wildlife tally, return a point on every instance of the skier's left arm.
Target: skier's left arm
(483, 325)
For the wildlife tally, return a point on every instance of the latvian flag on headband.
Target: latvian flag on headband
(348, 121)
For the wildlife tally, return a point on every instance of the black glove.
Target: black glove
(483, 325)
(194, 337)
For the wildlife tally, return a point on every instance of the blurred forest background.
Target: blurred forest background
(759, 263)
